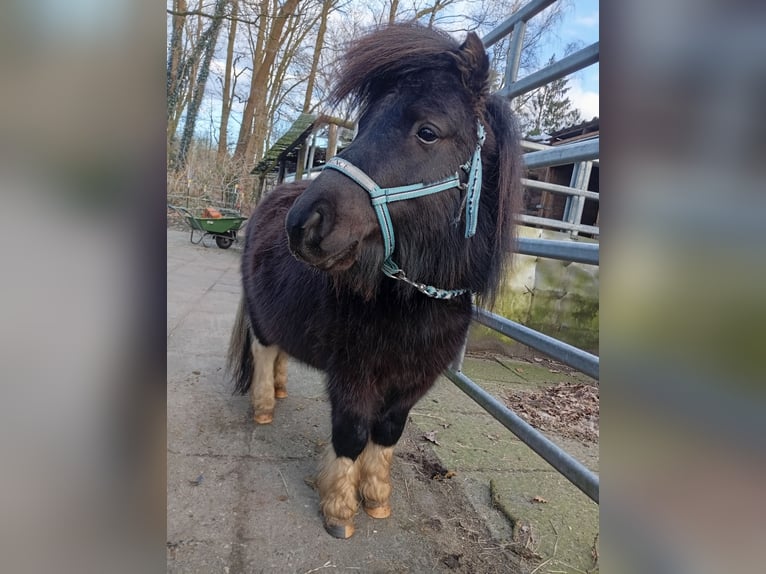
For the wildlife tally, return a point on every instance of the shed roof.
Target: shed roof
(292, 138)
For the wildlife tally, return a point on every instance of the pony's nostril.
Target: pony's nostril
(313, 220)
(312, 228)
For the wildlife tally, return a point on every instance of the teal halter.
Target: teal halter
(381, 197)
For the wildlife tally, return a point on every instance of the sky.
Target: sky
(579, 24)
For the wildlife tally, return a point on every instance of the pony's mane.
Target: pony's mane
(506, 179)
(381, 58)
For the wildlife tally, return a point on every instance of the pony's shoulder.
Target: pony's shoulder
(268, 221)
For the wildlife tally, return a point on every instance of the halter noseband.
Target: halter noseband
(381, 197)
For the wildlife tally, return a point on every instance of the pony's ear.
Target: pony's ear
(473, 63)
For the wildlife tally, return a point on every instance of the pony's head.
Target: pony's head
(401, 192)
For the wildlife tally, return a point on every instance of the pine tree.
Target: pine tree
(548, 109)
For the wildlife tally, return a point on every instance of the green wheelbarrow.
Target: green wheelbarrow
(222, 228)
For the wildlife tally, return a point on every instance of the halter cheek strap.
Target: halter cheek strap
(381, 197)
(473, 168)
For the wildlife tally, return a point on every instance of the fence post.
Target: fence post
(575, 204)
(514, 52)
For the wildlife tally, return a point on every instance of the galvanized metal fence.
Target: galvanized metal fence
(582, 154)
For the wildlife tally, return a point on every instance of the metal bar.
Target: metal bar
(514, 52)
(562, 250)
(556, 224)
(577, 61)
(555, 188)
(523, 14)
(526, 144)
(572, 356)
(562, 154)
(577, 473)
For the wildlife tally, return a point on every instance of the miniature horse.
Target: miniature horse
(367, 272)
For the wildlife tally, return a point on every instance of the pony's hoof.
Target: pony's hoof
(381, 511)
(280, 393)
(341, 531)
(264, 418)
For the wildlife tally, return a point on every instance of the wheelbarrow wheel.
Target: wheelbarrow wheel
(223, 241)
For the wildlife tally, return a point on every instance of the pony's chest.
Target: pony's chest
(388, 334)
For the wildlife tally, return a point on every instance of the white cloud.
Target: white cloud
(584, 100)
(588, 21)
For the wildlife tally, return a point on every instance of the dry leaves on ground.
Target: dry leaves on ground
(569, 409)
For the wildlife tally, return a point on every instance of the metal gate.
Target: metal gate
(582, 154)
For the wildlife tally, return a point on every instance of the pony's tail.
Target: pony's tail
(239, 359)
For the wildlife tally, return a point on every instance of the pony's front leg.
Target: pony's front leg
(375, 479)
(375, 463)
(338, 477)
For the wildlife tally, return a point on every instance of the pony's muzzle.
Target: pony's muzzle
(306, 228)
(309, 233)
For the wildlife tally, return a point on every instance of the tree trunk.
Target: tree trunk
(253, 124)
(317, 51)
(227, 89)
(210, 37)
(174, 69)
(394, 8)
(248, 114)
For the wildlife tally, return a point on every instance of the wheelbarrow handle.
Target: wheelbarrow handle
(182, 210)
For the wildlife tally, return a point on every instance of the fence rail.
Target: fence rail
(559, 350)
(562, 154)
(521, 16)
(562, 189)
(562, 250)
(582, 154)
(557, 224)
(572, 63)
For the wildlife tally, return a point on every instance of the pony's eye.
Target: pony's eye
(427, 135)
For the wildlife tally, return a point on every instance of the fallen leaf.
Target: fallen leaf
(442, 474)
(430, 436)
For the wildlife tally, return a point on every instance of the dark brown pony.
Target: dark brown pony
(312, 267)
